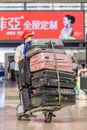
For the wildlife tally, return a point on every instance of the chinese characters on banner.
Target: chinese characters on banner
(44, 24)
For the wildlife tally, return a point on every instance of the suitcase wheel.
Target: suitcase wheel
(48, 116)
(19, 117)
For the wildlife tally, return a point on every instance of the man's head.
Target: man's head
(27, 35)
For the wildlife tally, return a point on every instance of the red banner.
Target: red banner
(45, 24)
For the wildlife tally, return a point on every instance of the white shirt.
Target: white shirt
(12, 65)
(19, 53)
(74, 66)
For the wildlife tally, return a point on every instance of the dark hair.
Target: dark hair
(72, 18)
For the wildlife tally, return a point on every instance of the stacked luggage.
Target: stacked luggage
(48, 78)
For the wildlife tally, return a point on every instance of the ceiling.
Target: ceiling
(45, 1)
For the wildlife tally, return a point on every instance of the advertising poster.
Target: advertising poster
(66, 25)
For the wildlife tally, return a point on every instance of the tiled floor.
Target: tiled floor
(69, 118)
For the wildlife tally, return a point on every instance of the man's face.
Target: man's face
(27, 39)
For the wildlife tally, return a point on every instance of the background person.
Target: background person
(2, 72)
(12, 70)
(75, 67)
(67, 31)
(83, 72)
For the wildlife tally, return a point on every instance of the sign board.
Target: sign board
(45, 24)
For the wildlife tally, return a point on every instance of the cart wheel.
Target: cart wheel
(18, 117)
(48, 117)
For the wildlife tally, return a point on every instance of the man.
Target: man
(20, 53)
(27, 37)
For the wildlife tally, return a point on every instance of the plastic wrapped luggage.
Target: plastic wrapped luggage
(40, 90)
(49, 78)
(50, 65)
(47, 96)
(44, 45)
(49, 57)
(47, 61)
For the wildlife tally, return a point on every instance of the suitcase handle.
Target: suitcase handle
(46, 57)
(50, 43)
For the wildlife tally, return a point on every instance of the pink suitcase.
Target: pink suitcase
(49, 57)
(46, 61)
(50, 65)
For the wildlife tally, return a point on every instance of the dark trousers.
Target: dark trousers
(17, 80)
(24, 92)
(75, 71)
(17, 77)
(12, 75)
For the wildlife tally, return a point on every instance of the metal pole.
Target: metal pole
(86, 49)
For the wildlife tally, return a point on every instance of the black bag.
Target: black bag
(49, 78)
(24, 72)
(49, 96)
(45, 45)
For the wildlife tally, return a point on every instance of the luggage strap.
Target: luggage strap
(58, 76)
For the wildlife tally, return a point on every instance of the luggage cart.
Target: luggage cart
(45, 99)
(45, 96)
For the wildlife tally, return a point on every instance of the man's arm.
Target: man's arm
(18, 54)
(16, 59)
